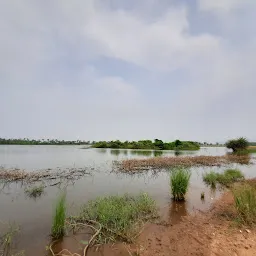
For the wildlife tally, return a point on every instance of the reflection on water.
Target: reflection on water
(35, 216)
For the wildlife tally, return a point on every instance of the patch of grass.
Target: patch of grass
(179, 181)
(6, 240)
(245, 203)
(35, 191)
(58, 225)
(251, 149)
(119, 216)
(226, 179)
(211, 178)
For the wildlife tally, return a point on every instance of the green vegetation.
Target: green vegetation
(237, 145)
(6, 240)
(148, 144)
(227, 178)
(251, 149)
(119, 216)
(35, 191)
(58, 225)
(245, 203)
(41, 142)
(179, 181)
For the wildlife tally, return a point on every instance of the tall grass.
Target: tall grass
(245, 202)
(179, 181)
(120, 216)
(211, 178)
(58, 225)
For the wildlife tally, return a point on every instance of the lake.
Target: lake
(34, 216)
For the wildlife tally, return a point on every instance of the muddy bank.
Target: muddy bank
(206, 234)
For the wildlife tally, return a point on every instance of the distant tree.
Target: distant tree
(237, 144)
(177, 143)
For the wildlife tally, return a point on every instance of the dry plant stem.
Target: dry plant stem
(85, 248)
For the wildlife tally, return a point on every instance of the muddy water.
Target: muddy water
(34, 216)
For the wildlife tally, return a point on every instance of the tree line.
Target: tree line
(26, 141)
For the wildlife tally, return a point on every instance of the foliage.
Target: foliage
(179, 181)
(226, 178)
(26, 141)
(148, 144)
(237, 144)
(245, 202)
(119, 216)
(58, 225)
(35, 191)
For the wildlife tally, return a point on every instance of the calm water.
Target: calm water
(34, 216)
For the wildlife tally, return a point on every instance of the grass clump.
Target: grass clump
(58, 225)
(35, 191)
(179, 181)
(226, 178)
(245, 203)
(119, 216)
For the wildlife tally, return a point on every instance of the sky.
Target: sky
(128, 70)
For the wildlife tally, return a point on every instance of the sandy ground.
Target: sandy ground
(209, 234)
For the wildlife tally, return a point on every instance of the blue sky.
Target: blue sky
(128, 69)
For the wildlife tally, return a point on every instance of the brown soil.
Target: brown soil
(209, 234)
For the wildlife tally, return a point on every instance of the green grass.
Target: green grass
(179, 181)
(226, 178)
(120, 217)
(35, 191)
(58, 225)
(245, 203)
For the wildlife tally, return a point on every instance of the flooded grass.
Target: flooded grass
(245, 203)
(179, 181)
(226, 178)
(136, 165)
(121, 217)
(35, 191)
(58, 225)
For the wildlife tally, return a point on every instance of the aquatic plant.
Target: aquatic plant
(137, 165)
(35, 191)
(119, 216)
(179, 181)
(245, 203)
(58, 225)
(226, 178)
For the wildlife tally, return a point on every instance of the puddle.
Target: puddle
(34, 216)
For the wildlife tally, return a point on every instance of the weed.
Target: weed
(58, 226)
(245, 203)
(179, 181)
(202, 195)
(35, 191)
(119, 216)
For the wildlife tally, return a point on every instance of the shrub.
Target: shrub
(179, 181)
(237, 144)
(245, 203)
(58, 226)
(119, 216)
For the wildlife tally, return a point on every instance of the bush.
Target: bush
(58, 226)
(245, 203)
(237, 144)
(179, 181)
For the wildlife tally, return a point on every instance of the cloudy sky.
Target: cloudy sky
(137, 69)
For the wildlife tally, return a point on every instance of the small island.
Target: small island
(148, 144)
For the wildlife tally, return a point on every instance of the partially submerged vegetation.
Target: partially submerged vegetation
(237, 145)
(148, 144)
(59, 217)
(137, 165)
(35, 191)
(179, 181)
(245, 203)
(226, 178)
(120, 217)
